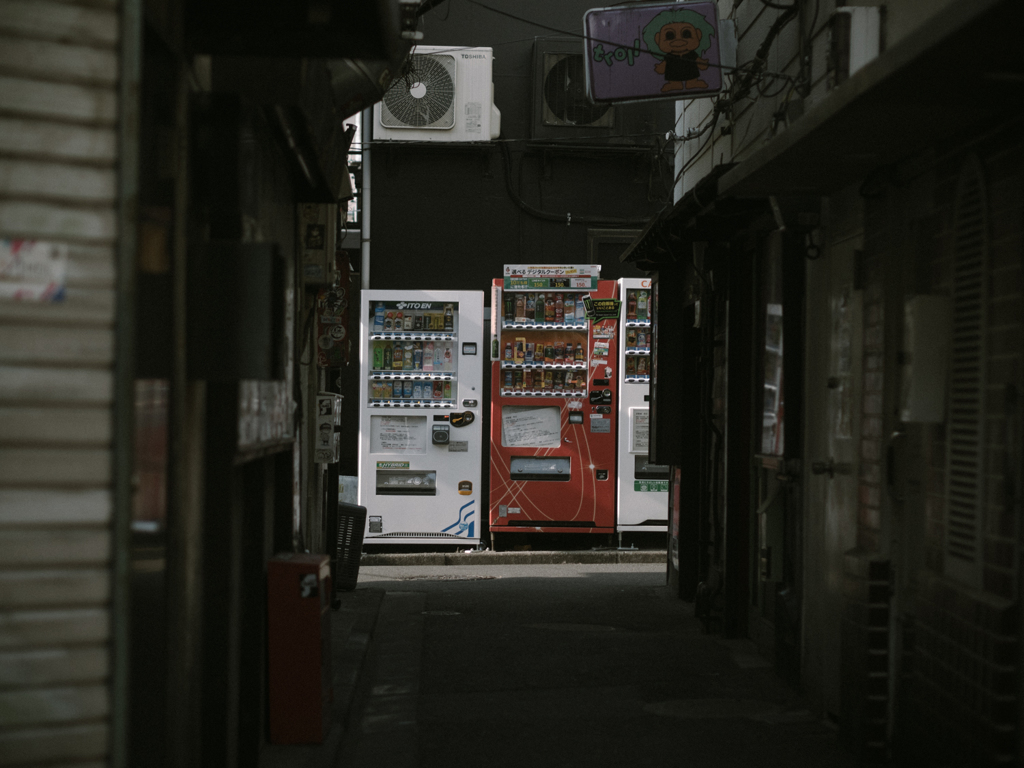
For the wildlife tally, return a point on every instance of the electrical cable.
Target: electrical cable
(567, 218)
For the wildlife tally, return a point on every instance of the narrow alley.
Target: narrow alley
(568, 664)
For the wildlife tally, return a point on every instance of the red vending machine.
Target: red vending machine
(553, 401)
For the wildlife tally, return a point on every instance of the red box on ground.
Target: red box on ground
(299, 647)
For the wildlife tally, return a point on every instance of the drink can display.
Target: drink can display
(559, 352)
(508, 379)
(517, 381)
(408, 322)
(549, 353)
(528, 379)
(399, 321)
(529, 352)
(438, 390)
(559, 380)
(630, 338)
(378, 317)
(389, 321)
(417, 390)
(406, 389)
(447, 390)
(630, 365)
(549, 379)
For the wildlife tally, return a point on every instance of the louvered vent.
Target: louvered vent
(965, 471)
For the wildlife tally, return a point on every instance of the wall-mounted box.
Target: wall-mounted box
(855, 39)
(924, 359)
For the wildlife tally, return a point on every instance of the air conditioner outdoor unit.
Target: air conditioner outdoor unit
(561, 107)
(447, 96)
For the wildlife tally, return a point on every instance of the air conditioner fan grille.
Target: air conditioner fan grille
(425, 97)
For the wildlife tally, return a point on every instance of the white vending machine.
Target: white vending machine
(642, 498)
(421, 394)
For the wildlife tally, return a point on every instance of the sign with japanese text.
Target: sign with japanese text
(557, 276)
(656, 51)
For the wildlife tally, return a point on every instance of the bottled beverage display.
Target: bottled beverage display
(559, 308)
(539, 308)
(449, 318)
(509, 306)
(378, 317)
(549, 309)
(569, 309)
(631, 306)
(641, 306)
(531, 305)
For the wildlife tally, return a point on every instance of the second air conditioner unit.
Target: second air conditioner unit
(447, 96)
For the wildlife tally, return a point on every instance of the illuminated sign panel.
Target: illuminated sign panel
(659, 51)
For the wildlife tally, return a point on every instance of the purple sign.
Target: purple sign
(662, 51)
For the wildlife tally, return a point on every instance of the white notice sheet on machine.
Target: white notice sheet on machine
(527, 426)
(398, 434)
(640, 429)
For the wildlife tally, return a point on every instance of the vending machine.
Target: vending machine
(642, 487)
(553, 401)
(420, 393)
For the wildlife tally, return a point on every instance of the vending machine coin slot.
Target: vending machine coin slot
(439, 435)
(550, 468)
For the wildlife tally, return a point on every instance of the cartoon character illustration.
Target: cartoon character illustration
(681, 36)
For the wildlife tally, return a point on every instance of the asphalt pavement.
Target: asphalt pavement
(560, 664)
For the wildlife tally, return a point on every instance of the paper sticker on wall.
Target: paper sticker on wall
(31, 270)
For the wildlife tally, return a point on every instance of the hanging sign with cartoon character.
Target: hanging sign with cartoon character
(659, 51)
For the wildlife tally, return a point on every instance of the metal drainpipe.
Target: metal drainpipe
(366, 127)
(124, 371)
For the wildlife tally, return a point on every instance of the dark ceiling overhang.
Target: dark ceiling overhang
(961, 68)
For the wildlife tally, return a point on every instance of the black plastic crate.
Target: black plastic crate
(348, 546)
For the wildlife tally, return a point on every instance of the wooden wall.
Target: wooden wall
(58, 154)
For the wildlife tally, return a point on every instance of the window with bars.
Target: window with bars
(965, 424)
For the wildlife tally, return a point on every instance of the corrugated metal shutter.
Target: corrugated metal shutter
(965, 461)
(58, 153)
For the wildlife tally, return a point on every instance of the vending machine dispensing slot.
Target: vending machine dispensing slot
(552, 468)
(406, 482)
